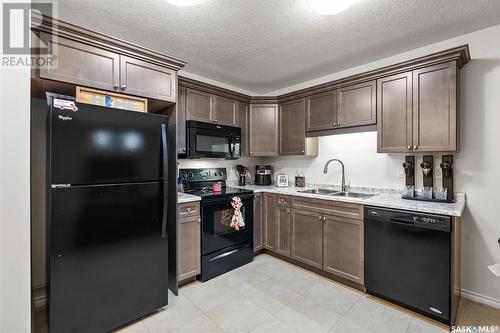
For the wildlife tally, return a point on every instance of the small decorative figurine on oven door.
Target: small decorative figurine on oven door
(237, 221)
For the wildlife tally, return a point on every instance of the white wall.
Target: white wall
(14, 200)
(477, 168)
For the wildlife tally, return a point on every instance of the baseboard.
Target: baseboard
(481, 298)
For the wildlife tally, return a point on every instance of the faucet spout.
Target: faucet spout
(325, 170)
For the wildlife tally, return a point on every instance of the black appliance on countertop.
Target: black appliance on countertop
(107, 250)
(263, 175)
(223, 248)
(211, 140)
(408, 260)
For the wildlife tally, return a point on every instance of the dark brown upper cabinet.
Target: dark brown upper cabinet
(321, 111)
(97, 67)
(417, 110)
(394, 104)
(292, 132)
(181, 121)
(225, 111)
(435, 114)
(207, 107)
(199, 105)
(263, 124)
(357, 105)
(83, 64)
(141, 78)
(242, 118)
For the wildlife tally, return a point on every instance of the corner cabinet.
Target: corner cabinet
(418, 110)
(263, 124)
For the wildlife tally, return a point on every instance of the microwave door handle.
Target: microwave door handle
(231, 146)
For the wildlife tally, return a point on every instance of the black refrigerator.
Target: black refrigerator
(107, 216)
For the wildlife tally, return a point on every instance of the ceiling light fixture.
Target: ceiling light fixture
(184, 3)
(329, 7)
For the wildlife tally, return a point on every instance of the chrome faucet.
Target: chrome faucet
(325, 170)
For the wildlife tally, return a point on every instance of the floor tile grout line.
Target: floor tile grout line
(409, 325)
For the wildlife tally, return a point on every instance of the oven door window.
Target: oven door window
(218, 145)
(217, 232)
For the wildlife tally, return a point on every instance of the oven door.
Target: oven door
(214, 142)
(217, 232)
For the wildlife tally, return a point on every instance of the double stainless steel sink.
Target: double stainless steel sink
(320, 191)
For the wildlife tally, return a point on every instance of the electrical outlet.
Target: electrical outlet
(438, 173)
(401, 173)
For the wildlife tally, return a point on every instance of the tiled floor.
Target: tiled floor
(272, 296)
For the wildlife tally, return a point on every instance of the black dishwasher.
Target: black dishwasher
(407, 260)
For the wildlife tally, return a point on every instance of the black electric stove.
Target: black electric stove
(223, 247)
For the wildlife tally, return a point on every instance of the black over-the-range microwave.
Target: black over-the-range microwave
(209, 140)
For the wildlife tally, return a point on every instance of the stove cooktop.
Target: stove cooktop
(226, 192)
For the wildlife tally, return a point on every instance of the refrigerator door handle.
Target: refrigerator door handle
(165, 210)
(164, 151)
(165, 177)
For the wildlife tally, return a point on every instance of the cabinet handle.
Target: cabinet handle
(415, 147)
(116, 86)
(288, 211)
(334, 124)
(324, 218)
(123, 87)
(199, 220)
(338, 123)
(319, 217)
(188, 209)
(303, 151)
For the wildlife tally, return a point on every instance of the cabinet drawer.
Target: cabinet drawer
(335, 208)
(189, 209)
(284, 200)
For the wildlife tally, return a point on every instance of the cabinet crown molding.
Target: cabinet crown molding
(67, 30)
(211, 89)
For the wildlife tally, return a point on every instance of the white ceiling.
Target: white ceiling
(265, 45)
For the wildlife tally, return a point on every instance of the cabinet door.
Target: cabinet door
(145, 79)
(292, 128)
(181, 121)
(243, 123)
(189, 247)
(435, 108)
(283, 232)
(394, 113)
(199, 105)
(307, 237)
(263, 130)
(343, 248)
(270, 221)
(357, 105)
(258, 241)
(83, 64)
(225, 111)
(321, 111)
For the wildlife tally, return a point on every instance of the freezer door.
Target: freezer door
(97, 145)
(107, 256)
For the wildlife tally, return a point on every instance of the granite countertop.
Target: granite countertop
(383, 198)
(184, 197)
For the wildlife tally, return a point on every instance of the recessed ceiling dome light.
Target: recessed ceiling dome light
(184, 3)
(329, 7)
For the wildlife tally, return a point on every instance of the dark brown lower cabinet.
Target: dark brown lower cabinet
(283, 232)
(343, 247)
(307, 237)
(258, 241)
(270, 214)
(189, 242)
